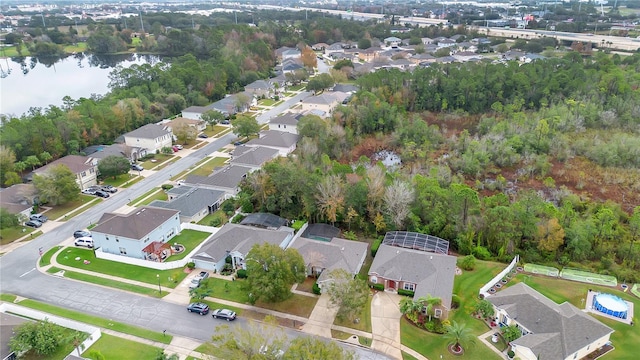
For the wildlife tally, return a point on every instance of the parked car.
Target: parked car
(81, 233)
(175, 149)
(102, 194)
(109, 188)
(224, 314)
(178, 146)
(238, 143)
(195, 282)
(84, 241)
(39, 217)
(203, 136)
(200, 308)
(136, 167)
(33, 223)
(89, 191)
(225, 122)
(202, 275)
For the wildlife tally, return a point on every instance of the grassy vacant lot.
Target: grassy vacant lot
(107, 282)
(60, 210)
(207, 168)
(97, 321)
(625, 338)
(168, 278)
(113, 347)
(365, 319)
(12, 234)
(232, 290)
(466, 286)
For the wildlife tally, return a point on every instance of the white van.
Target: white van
(84, 241)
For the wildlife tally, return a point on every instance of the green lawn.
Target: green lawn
(406, 356)
(625, 338)
(78, 47)
(466, 286)
(7, 297)
(232, 290)
(108, 282)
(60, 210)
(297, 87)
(10, 51)
(139, 199)
(118, 181)
(207, 168)
(266, 102)
(46, 257)
(12, 234)
(189, 239)
(113, 347)
(218, 213)
(160, 195)
(97, 321)
(168, 278)
(365, 319)
(159, 159)
(132, 181)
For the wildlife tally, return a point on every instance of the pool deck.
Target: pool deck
(589, 308)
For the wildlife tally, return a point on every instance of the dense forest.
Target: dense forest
(539, 159)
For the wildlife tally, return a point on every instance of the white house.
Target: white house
(84, 168)
(151, 137)
(284, 142)
(287, 122)
(143, 233)
(549, 330)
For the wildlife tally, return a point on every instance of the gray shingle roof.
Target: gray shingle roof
(432, 273)
(323, 99)
(286, 119)
(191, 200)
(135, 225)
(336, 254)
(227, 177)
(557, 330)
(240, 238)
(272, 138)
(258, 84)
(75, 163)
(253, 155)
(149, 131)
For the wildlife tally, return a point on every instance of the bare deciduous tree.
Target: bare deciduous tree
(397, 198)
(330, 197)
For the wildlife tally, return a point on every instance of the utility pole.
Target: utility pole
(141, 22)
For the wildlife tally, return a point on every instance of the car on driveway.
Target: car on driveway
(39, 217)
(200, 308)
(202, 275)
(109, 188)
(178, 146)
(89, 191)
(195, 282)
(84, 241)
(81, 233)
(136, 167)
(33, 223)
(203, 136)
(102, 194)
(223, 314)
(225, 122)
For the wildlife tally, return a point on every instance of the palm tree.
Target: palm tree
(410, 308)
(459, 334)
(429, 302)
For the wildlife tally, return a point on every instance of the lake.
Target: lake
(32, 82)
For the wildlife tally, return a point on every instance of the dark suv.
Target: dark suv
(200, 308)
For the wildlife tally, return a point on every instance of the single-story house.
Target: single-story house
(151, 137)
(345, 88)
(333, 48)
(530, 57)
(279, 51)
(194, 112)
(143, 233)
(392, 41)
(287, 122)
(226, 179)
(253, 156)
(420, 58)
(193, 203)
(319, 46)
(513, 55)
(443, 43)
(233, 104)
(236, 241)
(322, 257)
(402, 64)
(264, 221)
(18, 199)
(7, 324)
(291, 65)
(549, 330)
(84, 168)
(284, 142)
(291, 54)
(424, 273)
(464, 56)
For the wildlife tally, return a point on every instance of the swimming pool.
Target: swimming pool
(611, 305)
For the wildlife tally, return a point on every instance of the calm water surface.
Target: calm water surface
(31, 82)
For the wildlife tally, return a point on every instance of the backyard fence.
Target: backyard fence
(484, 291)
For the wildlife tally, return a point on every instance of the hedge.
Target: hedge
(241, 274)
(405, 292)
(374, 247)
(379, 287)
(316, 289)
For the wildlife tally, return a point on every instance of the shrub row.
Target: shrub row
(405, 292)
(379, 287)
(374, 247)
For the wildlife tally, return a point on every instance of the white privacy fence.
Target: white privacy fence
(484, 291)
